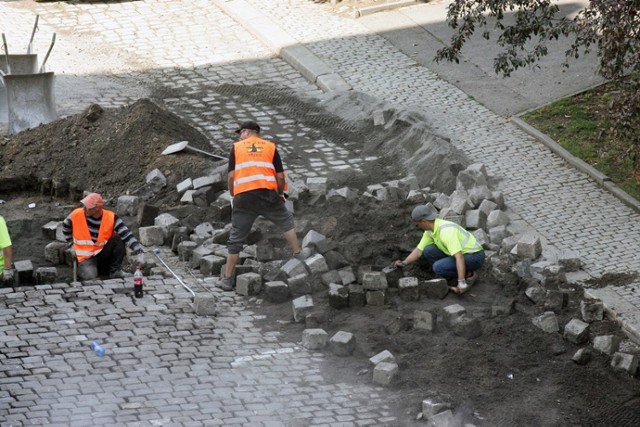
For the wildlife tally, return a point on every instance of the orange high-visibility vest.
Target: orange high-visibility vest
(84, 247)
(254, 165)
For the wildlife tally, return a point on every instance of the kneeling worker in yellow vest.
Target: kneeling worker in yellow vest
(99, 237)
(451, 250)
(256, 182)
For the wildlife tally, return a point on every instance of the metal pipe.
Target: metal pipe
(155, 252)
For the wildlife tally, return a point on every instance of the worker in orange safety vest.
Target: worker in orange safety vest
(98, 237)
(256, 182)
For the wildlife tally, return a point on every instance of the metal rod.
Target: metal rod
(155, 252)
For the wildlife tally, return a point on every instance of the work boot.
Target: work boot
(224, 283)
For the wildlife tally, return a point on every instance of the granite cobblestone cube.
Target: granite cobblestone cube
(475, 219)
(529, 246)
(294, 267)
(197, 254)
(342, 343)
(376, 298)
(248, 284)
(424, 320)
(547, 321)
(338, 296)
(314, 339)
(347, 275)
(332, 276)
(185, 250)
(356, 296)
(211, 264)
(625, 362)
(434, 288)
(316, 264)
(205, 304)
(592, 310)
(300, 285)
(451, 312)
(151, 236)
(50, 229)
(24, 274)
(54, 252)
(46, 275)
(374, 281)
(408, 289)
(607, 344)
(301, 307)
(384, 373)
(383, 356)
(576, 331)
(276, 292)
(312, 237)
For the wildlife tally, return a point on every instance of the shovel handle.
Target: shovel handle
(33, 34)
(6, 53)
(197, 150)
(53, 41)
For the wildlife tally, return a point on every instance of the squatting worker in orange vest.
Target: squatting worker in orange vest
(256, 182)
(99, 237)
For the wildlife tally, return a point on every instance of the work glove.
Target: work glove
(138, 251)
(7, 275)
(462, 285)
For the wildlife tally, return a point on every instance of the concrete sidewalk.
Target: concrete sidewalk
(419, 31)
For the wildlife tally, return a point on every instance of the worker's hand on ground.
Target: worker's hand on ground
(7, 275)
(398, 263)
(138, 250)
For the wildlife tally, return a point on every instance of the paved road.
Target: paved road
(178, 51)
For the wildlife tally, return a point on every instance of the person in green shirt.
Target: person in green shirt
(451, 250)
(6, 254)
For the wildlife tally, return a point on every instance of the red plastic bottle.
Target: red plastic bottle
(138, 282)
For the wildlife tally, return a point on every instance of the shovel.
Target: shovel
(184, 146)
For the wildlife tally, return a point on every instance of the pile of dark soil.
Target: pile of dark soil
(513, 374)
(107, 151)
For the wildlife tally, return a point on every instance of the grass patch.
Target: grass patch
(581, 125)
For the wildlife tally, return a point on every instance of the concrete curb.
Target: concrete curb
(380, 8)
(600, 178)
(284, 45)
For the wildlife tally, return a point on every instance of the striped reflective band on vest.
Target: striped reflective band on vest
(254, 163)
(256, 177)
(467, 236)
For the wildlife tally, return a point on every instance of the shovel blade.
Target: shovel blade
(174, 148)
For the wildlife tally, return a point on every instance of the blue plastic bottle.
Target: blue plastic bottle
(97, 348)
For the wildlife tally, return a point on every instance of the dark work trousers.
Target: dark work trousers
(108, 261)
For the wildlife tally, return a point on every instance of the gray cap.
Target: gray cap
(427, 212)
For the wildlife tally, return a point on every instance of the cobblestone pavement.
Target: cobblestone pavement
(165, 365)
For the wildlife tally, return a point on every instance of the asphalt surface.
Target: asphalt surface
(158, 368)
